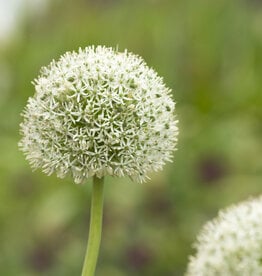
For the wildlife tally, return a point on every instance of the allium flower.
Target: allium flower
(99, 112)
(231, 244)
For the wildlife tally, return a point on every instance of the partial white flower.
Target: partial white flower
(99, 112)
(231, 244)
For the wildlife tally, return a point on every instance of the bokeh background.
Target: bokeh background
(210, 54)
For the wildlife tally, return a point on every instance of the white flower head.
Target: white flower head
(231, 244)
(99, 112)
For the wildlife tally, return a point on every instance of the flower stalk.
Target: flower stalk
(95, 229)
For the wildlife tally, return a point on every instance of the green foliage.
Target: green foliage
(210, 53)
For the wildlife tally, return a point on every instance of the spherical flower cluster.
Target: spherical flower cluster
(231, 244)
(99, 112)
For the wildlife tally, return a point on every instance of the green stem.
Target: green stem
(95, 229)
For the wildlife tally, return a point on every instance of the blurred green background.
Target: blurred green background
(210, 54)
